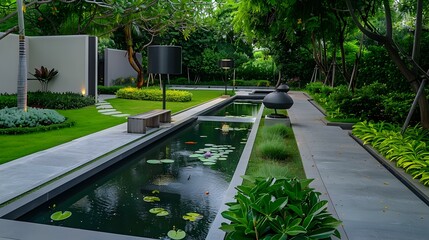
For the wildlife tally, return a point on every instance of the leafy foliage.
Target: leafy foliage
(49, 100)
(410, 151)
(279, 209)
(154, 94)
(44, 76)
(371, 102)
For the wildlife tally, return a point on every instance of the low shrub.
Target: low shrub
(14, 117)
(154, 94)
(274, 148)
(108, 89)
(279, 209)
(49, 100)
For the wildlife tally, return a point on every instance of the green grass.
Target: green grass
(88, 121)
(260, 167)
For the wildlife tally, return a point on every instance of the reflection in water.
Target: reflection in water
(113, 201)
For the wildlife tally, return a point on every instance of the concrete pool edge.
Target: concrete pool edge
(22, 230)
(214, 231)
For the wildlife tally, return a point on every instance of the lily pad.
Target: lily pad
(162, 213)
(59, 216)
(221, 159)
(199, 151)
(167, 160)
(192, 216)
(156, 210)
(209, 163)
(209, 144)
(203, 136)
(196, 155)
(208, 160)
(176, 235)
(151, 199)
(154, 161)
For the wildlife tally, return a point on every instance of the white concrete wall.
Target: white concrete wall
(67, 54)
(9, 56)
(116, 65)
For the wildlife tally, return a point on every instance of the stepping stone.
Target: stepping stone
(106, 110)
(101, 104)
(105, 107)
(111, 113)
(121, 115)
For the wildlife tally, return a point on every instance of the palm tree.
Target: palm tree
(22, 75)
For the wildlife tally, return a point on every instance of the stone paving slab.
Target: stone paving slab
(370, 201)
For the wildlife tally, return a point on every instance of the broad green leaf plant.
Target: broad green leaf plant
(409, 151)
(279, 209)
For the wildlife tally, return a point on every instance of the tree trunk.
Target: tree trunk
(22, 74)
(132, 56)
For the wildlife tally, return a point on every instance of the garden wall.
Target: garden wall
(116, 65)
(74, 57)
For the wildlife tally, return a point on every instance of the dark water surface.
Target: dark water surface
(113, 200)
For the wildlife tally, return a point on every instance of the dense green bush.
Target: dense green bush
(128, 81)
(14, 117)
(154, 94)
(108, 90)
(409, 151)
(49, 100)
(371, 102)
(279, 209)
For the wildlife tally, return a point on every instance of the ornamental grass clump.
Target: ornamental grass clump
(279, 209)
(274, 148)
(276, 130)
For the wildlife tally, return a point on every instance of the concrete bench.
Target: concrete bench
(139, 123)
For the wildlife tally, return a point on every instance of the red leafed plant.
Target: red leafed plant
(44, 76)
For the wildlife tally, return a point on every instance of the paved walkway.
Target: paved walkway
(369, 200)
(29, 172)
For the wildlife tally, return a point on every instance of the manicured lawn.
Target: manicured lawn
(88, 121)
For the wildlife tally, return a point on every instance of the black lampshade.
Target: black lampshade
(164, 59)
(226, 63)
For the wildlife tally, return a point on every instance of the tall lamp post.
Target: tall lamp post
(164, 60)
(226, 64)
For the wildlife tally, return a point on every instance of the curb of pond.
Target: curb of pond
(414, 185)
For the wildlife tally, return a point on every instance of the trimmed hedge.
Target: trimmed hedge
(49, 100)
(154, 94)
(25, 130)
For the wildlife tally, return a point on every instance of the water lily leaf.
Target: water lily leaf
(208, 160)
(196, 155)
(59, 216)
(151, 199)
(155, 191)
(162, 213)
(200, 151)
(167, 160)
(154, 161)
(192, 216)
(209, 144)
(209, 163)
(221, 159)
(176, 235)
(156, 210)
(203, 136)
